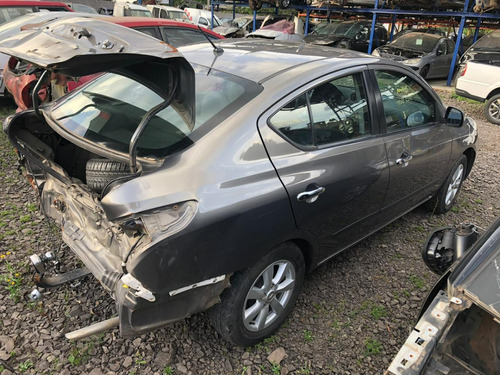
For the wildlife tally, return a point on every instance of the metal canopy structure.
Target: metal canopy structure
(378, 11)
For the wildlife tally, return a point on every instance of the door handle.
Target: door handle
(404, 159)
(310, 196)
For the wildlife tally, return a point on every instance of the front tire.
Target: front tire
(492, 109)
(447, 193)
(260, 297)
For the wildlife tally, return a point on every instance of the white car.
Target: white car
(481, 82)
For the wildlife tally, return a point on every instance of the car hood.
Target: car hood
(226, 30)
(399, 54)
(323, 39)
(81, 46)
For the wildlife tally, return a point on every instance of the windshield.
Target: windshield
(138, 13)
(489, 41)
(348, 29)
(108, 110)
(412, 41)
(177, 15)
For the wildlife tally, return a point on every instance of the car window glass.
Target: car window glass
(339, 110)
(7, 14)
(163, 14)
(177, 36)
(203, 21)
(450, 46)
(294, 123)
(156, 12)
(406, 103)
(442, 48)
(109, 109)
(148, 31)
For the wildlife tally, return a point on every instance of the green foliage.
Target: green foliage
(373, 346)
(12, 279)
(275, 368)
(378, 312)
(308, 336)
(417, 282)
(25, 366)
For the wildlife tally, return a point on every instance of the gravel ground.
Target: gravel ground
(351, 318)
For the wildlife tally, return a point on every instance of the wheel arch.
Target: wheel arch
(470, 154)
(307, 250)
(493, 93)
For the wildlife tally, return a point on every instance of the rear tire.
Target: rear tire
(447, 193)
(100, 172)
(260, 297)
(492, 109)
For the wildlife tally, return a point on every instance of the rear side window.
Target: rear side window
(332, 112)
(177, 36)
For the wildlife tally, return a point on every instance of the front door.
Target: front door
(417, 141)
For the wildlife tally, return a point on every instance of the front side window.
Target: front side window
(108, 110)
(442, 50)
(332, 112)
(9, 13)
(406, 103)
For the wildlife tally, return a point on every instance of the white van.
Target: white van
(168, 12)
(202, 17)
(124, 9)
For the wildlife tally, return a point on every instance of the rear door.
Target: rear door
(418, 142)
(323, 143)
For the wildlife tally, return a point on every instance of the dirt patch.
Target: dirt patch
(352, 316)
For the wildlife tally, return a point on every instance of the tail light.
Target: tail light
(463, 71)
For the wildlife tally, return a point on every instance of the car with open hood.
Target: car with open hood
(458, 331)
(353, 35)
(428, 54)
(485, 51)
(212, 177)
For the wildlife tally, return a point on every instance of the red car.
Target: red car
(13, 9)
(175, 33)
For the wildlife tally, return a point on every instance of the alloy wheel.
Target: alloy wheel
(454, 185)
(269, 295)
(494, 109)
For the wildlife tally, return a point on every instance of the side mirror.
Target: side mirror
(439, 52)
(358, 36)
(454, 117)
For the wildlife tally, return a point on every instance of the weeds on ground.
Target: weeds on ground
(308, 336)
(25, 366)
(417, 282)
(12, 279)
(373, 346)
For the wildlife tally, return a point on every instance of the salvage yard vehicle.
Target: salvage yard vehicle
(458, 331)
(220, 182)
(353, 35)
(481, 82)
(430, 55)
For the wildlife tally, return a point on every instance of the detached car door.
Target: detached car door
(417, 140)
(324, 146)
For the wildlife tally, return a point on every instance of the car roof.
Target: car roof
(260, 60)
(427, 35)
(4, 3)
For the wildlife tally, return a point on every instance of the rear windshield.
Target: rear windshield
(108, 110)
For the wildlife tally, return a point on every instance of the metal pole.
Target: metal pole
(212, 20)
(234, 10)
(392, 27)
(457, 45)
(254, 19)
(476, 33)
(372, 31)
(308, 11)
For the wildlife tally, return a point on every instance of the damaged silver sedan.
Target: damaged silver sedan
(220, 182)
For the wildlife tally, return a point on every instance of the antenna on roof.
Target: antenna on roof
(218, 51)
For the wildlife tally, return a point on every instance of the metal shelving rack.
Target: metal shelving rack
(379, 10)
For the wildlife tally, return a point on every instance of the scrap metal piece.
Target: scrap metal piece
(93, 329)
